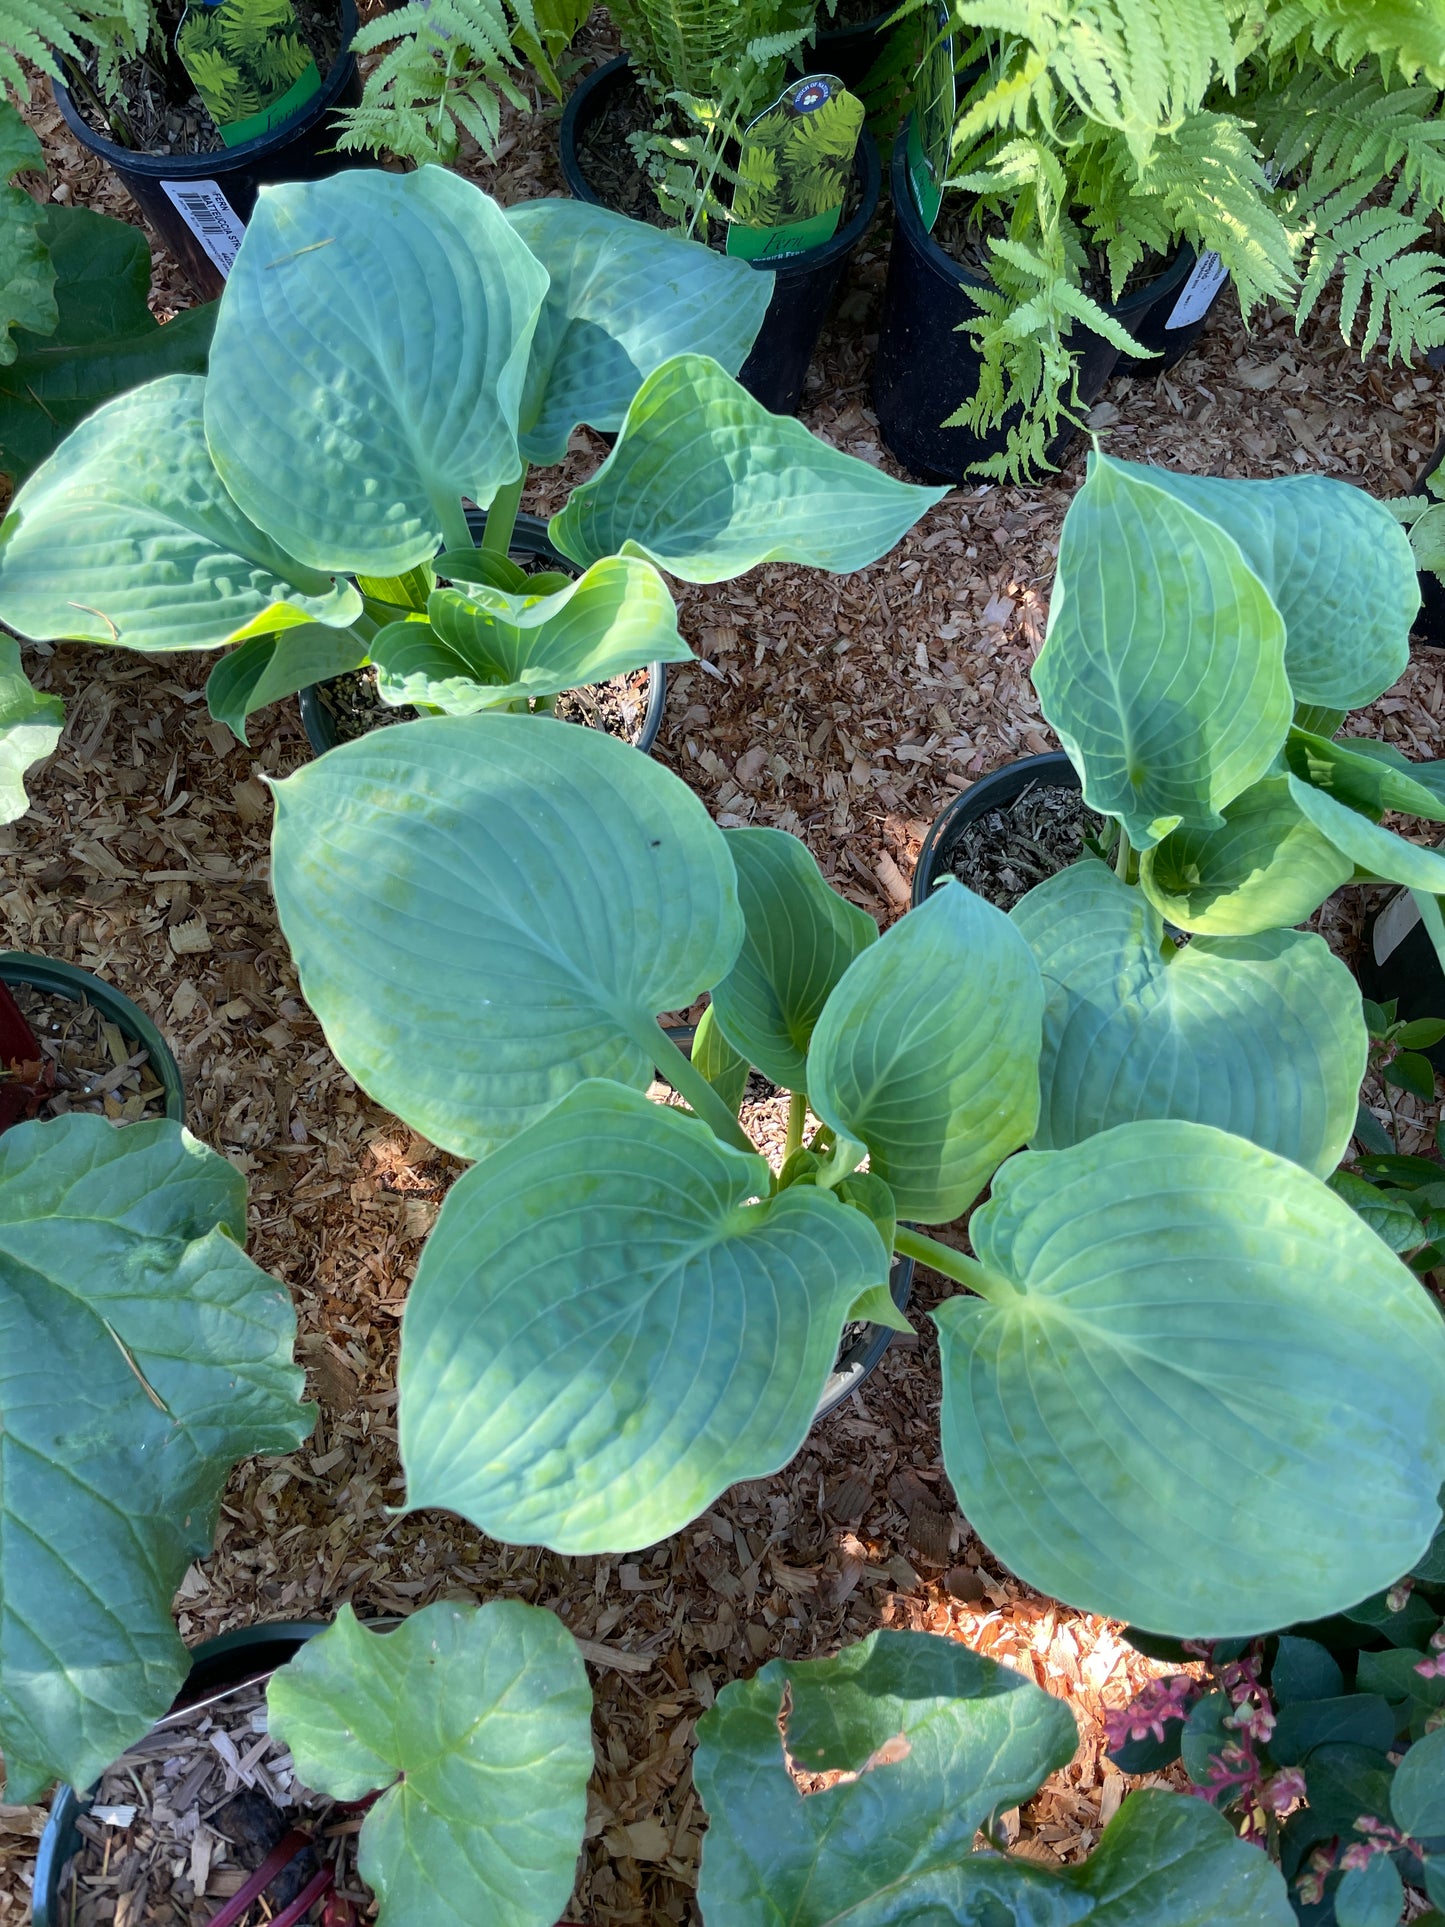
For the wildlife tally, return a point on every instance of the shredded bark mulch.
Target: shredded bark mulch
(97, 1067)
(619, 706)
(1002, 854)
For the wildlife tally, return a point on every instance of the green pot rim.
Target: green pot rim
(69, 980)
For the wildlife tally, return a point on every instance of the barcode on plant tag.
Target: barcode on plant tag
(1209, 276)
(210, 217)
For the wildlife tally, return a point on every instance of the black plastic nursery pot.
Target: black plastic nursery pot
(530, 543)
(199, 204)
(925, 368)
(850, 52)
(1177, 316)
(1430, 623)
(777, 365)
(1398, 961)
(68, 980)
(993, 792)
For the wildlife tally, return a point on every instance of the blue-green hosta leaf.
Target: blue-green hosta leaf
(267, 668)
(141, 1354)
(928, 1052)
(482, 648)
(485, 910)
(477, 1723)
(707, 484)
(1263, 1036)
(604, 1333)
(1417, 1792)
(1369, 845)
(1171, 1411)
(127, 536)
(1338, 566)
(1163, 671)
(1267, 868)
(800, 938)
(624, 297)
(1364, 781)
(30, 726)
(935, 1741)
(723, 1067)
(27, 274)
(368, 363)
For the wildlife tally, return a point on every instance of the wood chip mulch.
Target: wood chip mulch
(847, 710)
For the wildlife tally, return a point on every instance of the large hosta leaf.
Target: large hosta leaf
(707, 484)
(368, 363)
(485, 910)
(1171, 1409)
(1163, 672)
(126, 535)
(1338, 566)
(1263, 1036)
(27, 275)
(800, 938)
(928, 1052)
(1267, 868)
(267, 668)
(604, 1333)
(30, 726)
(1369, 845)
(477, 1725)
(141, 1354)
(1373, 782)
(624, 298)
(482, 648)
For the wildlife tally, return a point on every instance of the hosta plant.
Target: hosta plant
(388, 345)
(1159, 1352)
(144, 1354)
(854, 1788)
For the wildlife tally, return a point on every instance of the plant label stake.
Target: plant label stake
(794, 169)
(251, 67)
(931, 128)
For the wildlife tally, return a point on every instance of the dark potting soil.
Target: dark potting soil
(1002, 854)
(94, 1065)
(618, 706)
(156, 110)
(846, 15)
(961, 236)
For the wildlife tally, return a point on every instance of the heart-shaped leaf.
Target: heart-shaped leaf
(1372, 783)
(1163, 672)
(268, 668)
(1167, 1858)
(1338, 566)
(1263, 1036)
(707, 484)
(800, 937)
(604, 1333)
(1417, 1792)
(1170, 1410)
(1370, 1896)
(126, 535)
(1369, 845)
(482, 648)
(1267, 868)
(144, 1354)
(928, 1052)
(484, 910)
(30, 726)
(368, 364)
(477, 1723)
(624, 298)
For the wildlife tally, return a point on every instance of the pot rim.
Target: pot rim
(69, 980)
(1000, 785)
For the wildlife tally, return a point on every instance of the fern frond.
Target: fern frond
(1382, 266)
(449, 65)
(1404, 35)
(39, 30)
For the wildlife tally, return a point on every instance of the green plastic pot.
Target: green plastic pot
(68, 980)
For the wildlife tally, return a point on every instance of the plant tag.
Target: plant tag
(251, 67)
(210, 217)
(930, 129)
(794, 169)
(1197, 294)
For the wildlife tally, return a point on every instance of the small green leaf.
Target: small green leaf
(707, 484)
(1367, 844)
(927, 1052)
(1409, 1071)
(1421, 1033)
(411, 590)
(1359, 1719)
(1305, 1670)
(475, 1723)
(267, 668)
(1371, 1134)
(799, 938)
(1370, 1896)
(723, 1067)
(1417, 1793)
(1205, 1736)
(1385, 1212)
(30, 726)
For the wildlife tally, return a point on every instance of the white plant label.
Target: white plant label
(210, 217)
(1209, 276)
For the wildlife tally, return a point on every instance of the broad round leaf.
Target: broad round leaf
(1336, 562)
(485, 910)
(30, 726)
(1369, 845)
(482, 647)
(707, 484)
(141, 1354)
(1263, 1036)
(935, 1740)
(368, 362)
(267, 668)
(928, 1052)
(1417, 1792)
(624, 297)
(800, 937)
(477, 1722)
(1267, 868)
(1172, 1409)
(1163, 672)
(1370, 1896)
(127, 536)
(604, 1333)
(1168, 1858)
